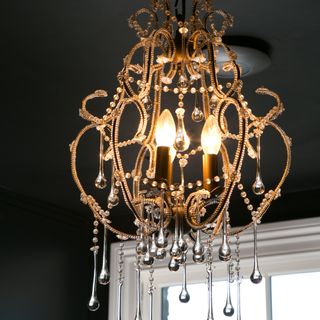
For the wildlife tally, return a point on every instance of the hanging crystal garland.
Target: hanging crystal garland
(175, 61)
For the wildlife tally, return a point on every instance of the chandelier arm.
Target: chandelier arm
(88, 198)
(85, 114)
(115, 148)
(275, 193)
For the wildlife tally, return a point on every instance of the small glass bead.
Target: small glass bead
(128, 175)
(180, 96)
(250, 207)
(240, 186)
(208, 181)
(225, 176)
(246, 200)
(193, 152)
(108, 110)
(145, 181)
(216, 178)
(163, 185)
(154, 183)
(119, 89)
(165, 89)
(184, 90)
(116, 97)
(199, 183)
(243, 194)
(180, 104)
(210, 89)
(95, 223)
(112, 104)
(95, 231)
(118, 183)
(94, 239)
(193, 90)
(171, 187)
(176, 90)
(190, 185)
(202, 89)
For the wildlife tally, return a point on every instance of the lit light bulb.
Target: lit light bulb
(211, 136)
(165, 130)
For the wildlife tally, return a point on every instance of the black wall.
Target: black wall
(45, 262)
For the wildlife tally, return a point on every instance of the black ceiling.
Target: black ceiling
(56, 52)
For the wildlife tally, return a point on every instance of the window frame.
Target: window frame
(283, 247)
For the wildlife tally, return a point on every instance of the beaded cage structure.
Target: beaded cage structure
(176, 61)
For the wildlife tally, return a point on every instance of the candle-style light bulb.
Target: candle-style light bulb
(211, 143)
(165, 132)
(211, 136)
(165, 135)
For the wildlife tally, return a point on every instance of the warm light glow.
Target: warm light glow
(166, 130)
(211, 136)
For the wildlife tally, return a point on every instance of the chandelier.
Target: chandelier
(180, 165)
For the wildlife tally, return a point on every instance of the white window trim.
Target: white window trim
(284, 247)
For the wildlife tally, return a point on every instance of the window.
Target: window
(289, 257)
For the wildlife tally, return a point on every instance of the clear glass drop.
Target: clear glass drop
(210, 306)
(228, 308)
(175, 250)
(113, 198)
(256, 276)
(258, 187)
(225, 250)
(147, 102)
(101, 181)
(182, 140)
(182, 82)
(138, 291)
(147, 258)
(184, 296)
(141, 247)
(198, 249)
(153, 246)
(213, 102)
(161, 241)
(197, 114)
(181, 241)
(94, 304)
(173, 264)
(104, 276)
(161, 253)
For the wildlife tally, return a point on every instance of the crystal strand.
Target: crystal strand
(258, 186)
(239, 280)
(162, 241)
(113, 198)
(120, 282)
(256, 276)
(104, 277)
(101, 181)
(94, 303)
(184, 296)
(198, 248)
(150, 292)
(209, 278)
(138, 290)
(228, 309)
